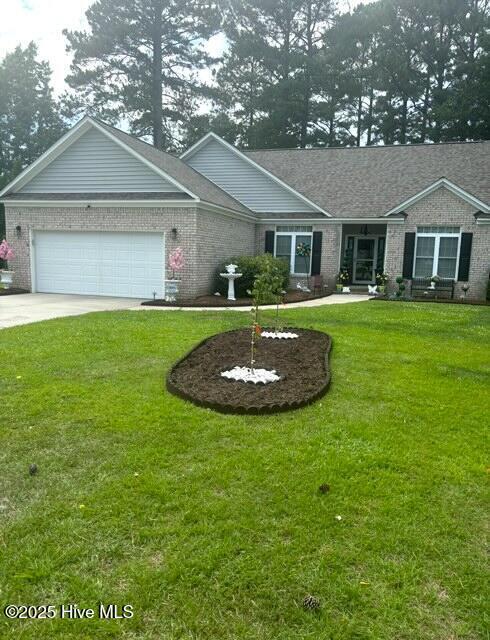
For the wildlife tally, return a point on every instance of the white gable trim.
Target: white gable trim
(48, 156)
(447, 184)
(66, 141)
(212, 136)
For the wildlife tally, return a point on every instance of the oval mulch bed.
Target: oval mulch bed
(302, 364)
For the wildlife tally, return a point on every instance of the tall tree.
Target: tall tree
(466, 109)
(314, 18)
(139, 61)
(353, 45)
(272, 66)
(30, 119)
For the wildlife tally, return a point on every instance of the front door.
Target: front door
(365, 252)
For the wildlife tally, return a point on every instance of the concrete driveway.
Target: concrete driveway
(34, 307)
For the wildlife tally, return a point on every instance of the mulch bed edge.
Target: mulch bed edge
(13, 291)
(240, 302)
(266, 410)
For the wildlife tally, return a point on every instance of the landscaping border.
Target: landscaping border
(12, 291)
(251, 409)
(239, 302)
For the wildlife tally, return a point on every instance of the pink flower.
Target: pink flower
(6, 251)
(176, 259)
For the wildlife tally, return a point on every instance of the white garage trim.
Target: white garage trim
(127, 264)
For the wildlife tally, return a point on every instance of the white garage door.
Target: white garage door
(130, 265)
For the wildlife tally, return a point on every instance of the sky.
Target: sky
(42, 21)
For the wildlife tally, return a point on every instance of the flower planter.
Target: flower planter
(339, 288)
(382, 288)
(171, 290)
(6, 278)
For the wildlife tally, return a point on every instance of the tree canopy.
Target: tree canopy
(30, 118)
(293, 73)
(139, 60)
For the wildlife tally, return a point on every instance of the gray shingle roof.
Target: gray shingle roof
(180, 171)
(370, 181)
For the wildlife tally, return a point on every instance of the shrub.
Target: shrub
(250, 267)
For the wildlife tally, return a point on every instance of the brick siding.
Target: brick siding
(443, 208)
(219, 238)
(104, 219)
(208, 238)
(331, 237)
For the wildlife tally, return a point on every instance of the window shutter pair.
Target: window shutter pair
(316, 250)
(464, 256)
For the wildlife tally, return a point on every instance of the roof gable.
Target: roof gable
(95, 163)
(442, 183)
(176, 180)
(251, 184)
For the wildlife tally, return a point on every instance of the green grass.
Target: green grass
(223, 532)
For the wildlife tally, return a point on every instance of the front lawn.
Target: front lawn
(212, 526)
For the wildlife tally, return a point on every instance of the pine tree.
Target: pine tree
(30, 119)
(138, 62)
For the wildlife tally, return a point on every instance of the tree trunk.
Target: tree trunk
(359, 102)
(156, 79)
(359, 119)
(403, 121)
(370, 116)
(425, 109)
(307, 85)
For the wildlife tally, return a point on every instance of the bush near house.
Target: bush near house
(250, 267)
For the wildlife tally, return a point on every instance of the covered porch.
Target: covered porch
(362, 252)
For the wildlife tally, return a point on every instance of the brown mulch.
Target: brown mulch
(302, 364)
(13, 291)
(222, 301)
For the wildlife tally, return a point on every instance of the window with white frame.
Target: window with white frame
(293, 244)
(437, 252)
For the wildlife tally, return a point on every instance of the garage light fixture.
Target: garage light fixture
(174, 233)
(18, 230)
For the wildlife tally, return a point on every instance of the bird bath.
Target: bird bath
(231, 276)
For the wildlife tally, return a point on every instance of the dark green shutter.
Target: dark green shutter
(380, 258)
(269, 242)
(316, 253)
(408, 255)
(465, 257)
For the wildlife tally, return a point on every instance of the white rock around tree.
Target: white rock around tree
(245, 374)
(281, 335)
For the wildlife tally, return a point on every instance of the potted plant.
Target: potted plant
(401, 287)
(434, 280)
(342, 278)
(381, 279)
(6, 254)
(176, 264)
